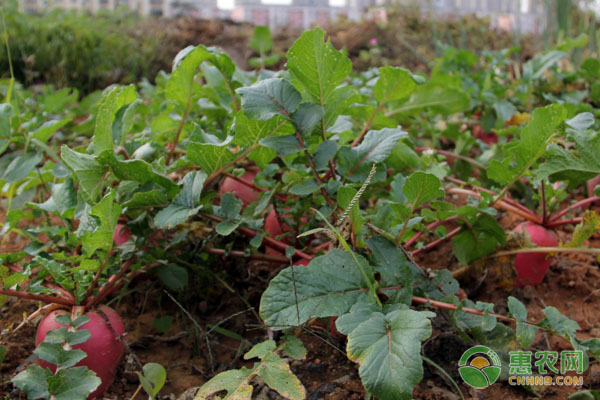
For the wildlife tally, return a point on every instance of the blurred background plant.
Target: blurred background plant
(89, 52)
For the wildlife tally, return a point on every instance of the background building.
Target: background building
(522, 15)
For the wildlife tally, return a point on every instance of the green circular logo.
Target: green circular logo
(479, 367)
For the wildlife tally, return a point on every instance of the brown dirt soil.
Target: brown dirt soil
(192, 353)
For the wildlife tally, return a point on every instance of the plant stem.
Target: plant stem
(448, 306)
(139, 388)
(218, 172)
(40, 311)
(65, 293)
(412, 210)
(269, 241)
(480, 189)
(554, 224)
(431, 226)
(433, 244)
(37, 297)
(236, 106)
(454, 155)
(9, 56)
(256, 256)
(180, 128)
(101, 268)
(367, 126)
(443, 372)
(544, 210)
(106, 288)
(499, 203)
(310, 161)
(574, 206)
(324, 136)
(547, 250)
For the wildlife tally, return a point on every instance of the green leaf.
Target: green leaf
(44, 132)
(325, 152)
(388, 349)
(397, 192)
(64, 196)
(175, 277)
(581, 121)
(338, 102)
(249, 132)
(63, 200)
(261, 41)
(579, 165)
(33, 382)
(211, 157)
(136, 170)
(162, 324)
(489, 234)
(525, 333)
(375, 148)
(21, 166)
(317, 66)
(274, 370)
(100, 237)
(393, 84)
(391, 264)
(153, 378)
(234, 382)
(79, 321)
(56, 355)
(305, 188)
(88, 171)
(2, 353)
(64, 336)
(535, 68)
(283, 145)
(421, 187)
(73, 383)
(557, 322)
(180, 86)
(57, 271)
(268, 98)
(185, 204)
(5, 114)
(403, 157)
(442, 100)
(329, 286)
(585, 395)
(531, 146)
(128, 119)
(111, 102)
(504, 111)
(589, 225)
(306, 118)
(230, 211)
(293, 347)
(278, 376)
(151, 198)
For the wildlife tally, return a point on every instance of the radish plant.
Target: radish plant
(337, 180)
(65, 380)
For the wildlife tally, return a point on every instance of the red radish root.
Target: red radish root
(531, 267)
(104, 348)
(239, 190)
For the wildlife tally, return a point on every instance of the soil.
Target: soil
(193, 351)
